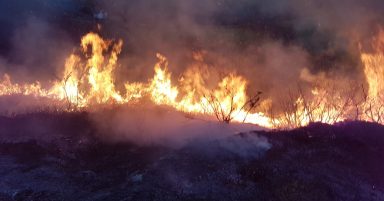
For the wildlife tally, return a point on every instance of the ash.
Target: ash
(47, 156)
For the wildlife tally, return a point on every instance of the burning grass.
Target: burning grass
(87, 81)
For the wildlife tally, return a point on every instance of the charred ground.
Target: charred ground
(59, 156)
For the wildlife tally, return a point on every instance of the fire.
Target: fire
(90, 82)
(161, 89)
(68, 88)
(374, 72)
(88, 79)
(374, 67)
(100, 71)
(9, 88)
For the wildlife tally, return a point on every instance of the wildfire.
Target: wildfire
(91, 82)
(88, 79)
(374, 72)
(161, 89)
(9, 88)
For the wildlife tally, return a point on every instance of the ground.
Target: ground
(59, 156)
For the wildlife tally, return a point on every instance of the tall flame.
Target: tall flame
(374, 73)
(88, 79)
(161, 89)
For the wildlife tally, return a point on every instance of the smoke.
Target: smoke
(267, 42)
(277, 45)
(256, 38)
(140, 125)
(270, 43)
(38, 51)
(147, 124)
(162, 126)
(19, 104)
(37, 36)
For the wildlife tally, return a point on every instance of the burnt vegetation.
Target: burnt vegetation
(69, 162)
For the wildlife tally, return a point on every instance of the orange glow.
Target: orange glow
(88, 79)
(374, 73)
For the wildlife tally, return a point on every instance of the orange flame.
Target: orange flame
(89, 81)
(374, 73)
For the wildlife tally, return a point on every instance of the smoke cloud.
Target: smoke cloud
(270, 43)
(141, 125)
(37, 36)
(162, 126)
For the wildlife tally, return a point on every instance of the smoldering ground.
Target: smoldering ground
(148, 124)
(96, 170)
(139, 124)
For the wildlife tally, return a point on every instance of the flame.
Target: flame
(100, 71)
(374, 73)
(88, 79)
(161, 89)
(9, 88)
(68, 88)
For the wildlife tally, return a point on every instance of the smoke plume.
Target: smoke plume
(268, 42)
